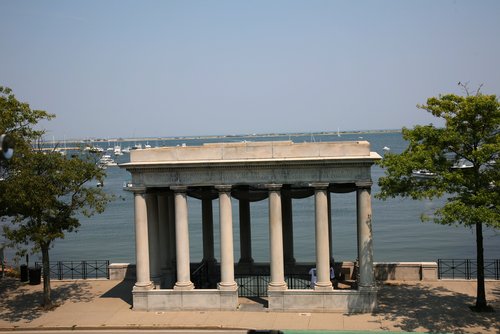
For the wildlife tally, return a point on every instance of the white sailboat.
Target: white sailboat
(117, 150)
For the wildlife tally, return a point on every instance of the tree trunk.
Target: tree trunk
(481, 294)
(47, 301)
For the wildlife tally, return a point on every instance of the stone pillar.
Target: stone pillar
(330, 227)
(245, 232)
(163, 231)
(322, 236)
(287, 215)
(365, 242)
(208, 230)
(182, 240)
(154, 238)
(226, 239)
(276, 239)
(171, 277)
(141, 242)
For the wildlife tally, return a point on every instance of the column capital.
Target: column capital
(137, 189)
(179, 189)
(273, 186)
(364, 184)
(223, 188)
(320, 185)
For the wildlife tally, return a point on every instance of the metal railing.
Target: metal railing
(467, 269)
(78, 269)
(252, 285)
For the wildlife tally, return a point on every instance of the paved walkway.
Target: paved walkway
(101, 304)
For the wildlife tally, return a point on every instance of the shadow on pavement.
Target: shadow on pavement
(122, 290)
(435, 309)
(22, 302)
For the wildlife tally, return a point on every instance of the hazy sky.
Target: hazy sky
(179, 68)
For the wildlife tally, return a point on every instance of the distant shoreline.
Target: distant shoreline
(270, 135)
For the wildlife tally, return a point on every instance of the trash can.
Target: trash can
(24, 273)
(35, 274)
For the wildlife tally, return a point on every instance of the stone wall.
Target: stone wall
(384, 271)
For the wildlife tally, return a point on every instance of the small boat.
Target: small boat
(127, 184)
(386, 148)
(117, 150)
(106, 161)
(423, 174)
(94, 149)
(462, 164)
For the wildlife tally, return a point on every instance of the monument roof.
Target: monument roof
(253, 151)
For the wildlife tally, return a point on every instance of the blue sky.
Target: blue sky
(181, 68)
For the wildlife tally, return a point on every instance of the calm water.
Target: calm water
(399, 235)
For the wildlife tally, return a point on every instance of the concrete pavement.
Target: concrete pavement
(102, 304)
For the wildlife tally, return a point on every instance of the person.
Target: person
(314, 278)
(334, 281)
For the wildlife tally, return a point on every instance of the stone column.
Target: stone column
(171, 278)
(330, 227)
(154, 238)
(164, 231)
(245, 232)
(287, 215)
(276, 239)
(182, 240)
(141, 241)
(208, 230)
(226, 239)
(365, 242)
(322, 244)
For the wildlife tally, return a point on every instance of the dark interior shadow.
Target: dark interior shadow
(122, 290)
(436, 309)
(19, 301)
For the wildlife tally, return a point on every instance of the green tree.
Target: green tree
(18, 120)
(43, 193)
(463, 157)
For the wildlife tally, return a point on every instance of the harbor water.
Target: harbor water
(398, 233)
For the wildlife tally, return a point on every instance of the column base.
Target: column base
(367, 287)
(184, 286)
(323, 286)
(142, 286)
(227, 286)
(277, 286)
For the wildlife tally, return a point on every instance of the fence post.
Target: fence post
(59, 270)
(439, 268)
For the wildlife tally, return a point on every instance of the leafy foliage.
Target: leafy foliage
(18, 120)
(47, 194)
(471, 136)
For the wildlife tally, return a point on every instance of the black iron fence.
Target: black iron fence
(78, 269)
(467, 269)
(253, 285)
